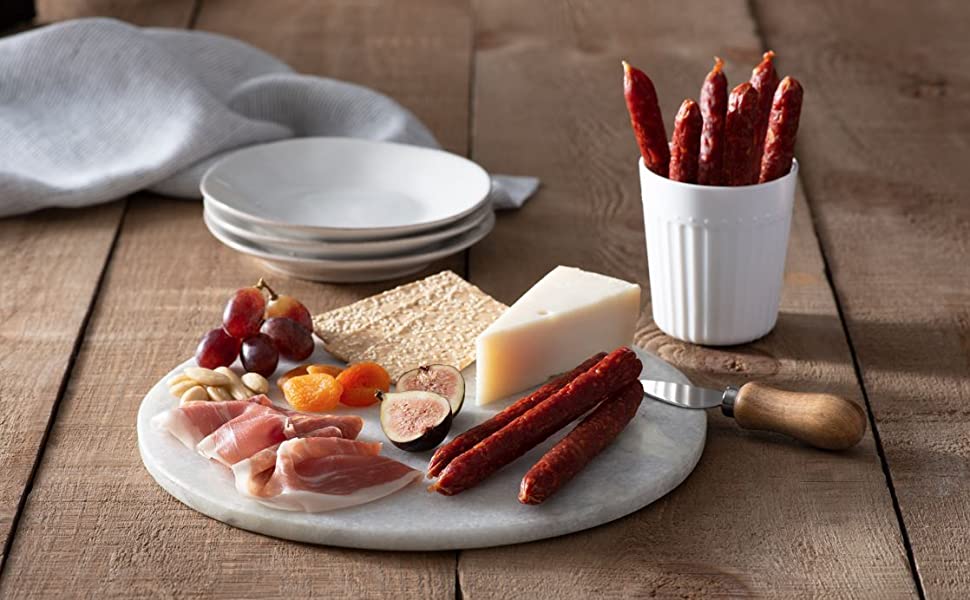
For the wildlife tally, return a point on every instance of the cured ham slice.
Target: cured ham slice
(193, 421)
(317, 474)
(228, 432)
(301, 424)
(253, 431)
(253, 474)
(286, 459)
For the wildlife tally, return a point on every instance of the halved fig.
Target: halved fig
(415, 420)
(443, 380)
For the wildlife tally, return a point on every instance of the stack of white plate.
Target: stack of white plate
(341, 210)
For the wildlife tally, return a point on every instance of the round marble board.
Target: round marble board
(652, 456)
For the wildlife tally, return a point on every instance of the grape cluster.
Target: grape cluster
(258, 332)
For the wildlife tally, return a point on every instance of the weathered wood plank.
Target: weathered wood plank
(883, 140)
(760, 515)
(154, 13)
(166, 285)
(54, 260)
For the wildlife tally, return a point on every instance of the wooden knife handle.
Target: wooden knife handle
(821, 420)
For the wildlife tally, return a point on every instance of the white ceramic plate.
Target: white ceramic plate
(280, 243)
(342, 188)
(652, 456)
(345, 271)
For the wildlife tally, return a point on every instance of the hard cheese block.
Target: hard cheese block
(566, 317)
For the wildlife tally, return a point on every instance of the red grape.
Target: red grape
(289, 307)
(285, 306)
(292, 339)
(259, 355)
(217, 349)
(244, 313)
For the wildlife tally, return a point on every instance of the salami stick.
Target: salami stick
(714, 101)
(782, 130)
(645, 117)
(740, 163)
(530, 429)
(764, 78)
(447, 453)
(567, 458)
(685, 145)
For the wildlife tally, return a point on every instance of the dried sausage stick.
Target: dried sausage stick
(740, 163)
(465, 441)
(782, 130)
(567, 458)
(685, 145)
(530, 429)
(646, 119)
(764, 78)
(714, 101)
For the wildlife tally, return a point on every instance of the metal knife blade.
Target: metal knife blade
(679, 394)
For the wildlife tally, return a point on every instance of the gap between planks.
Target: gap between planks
(61, 391)
(856, 366)
(72, 357)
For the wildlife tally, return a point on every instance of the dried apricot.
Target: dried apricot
(314, 392)
(333, 370)
(294, 372)
(328, 369)
(361, 381)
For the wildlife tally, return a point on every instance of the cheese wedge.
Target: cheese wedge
(566, 317)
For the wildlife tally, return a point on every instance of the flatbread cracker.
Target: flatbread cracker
(431, 321)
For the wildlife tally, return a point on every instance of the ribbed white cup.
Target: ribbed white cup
(716, 256)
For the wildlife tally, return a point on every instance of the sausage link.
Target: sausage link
(646, 119)
(536, 425)
(764, 78)
(740, 164)
(447, 453)
(685, 145)
(714, 101)
(782, 130)
(567, 458)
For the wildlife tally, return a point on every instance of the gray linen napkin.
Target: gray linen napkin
(95, 109)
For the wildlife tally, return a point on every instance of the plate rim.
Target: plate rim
(507, 535)
(344, 249)
(343, 232)
(468, 239)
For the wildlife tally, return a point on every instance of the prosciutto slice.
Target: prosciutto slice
(253, 431)
(228, 432)
(286, 459)
(317, 474)
(193, 421)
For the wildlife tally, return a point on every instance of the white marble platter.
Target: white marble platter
(651, 457)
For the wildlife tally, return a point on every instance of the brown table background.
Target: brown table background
(97, 304)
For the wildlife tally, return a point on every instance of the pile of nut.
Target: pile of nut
(221, 384)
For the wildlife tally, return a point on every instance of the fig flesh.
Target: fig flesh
(443, 380)
(415, 420)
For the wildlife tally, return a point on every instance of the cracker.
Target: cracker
(431, 321)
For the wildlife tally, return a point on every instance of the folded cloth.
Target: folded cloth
(95, 109)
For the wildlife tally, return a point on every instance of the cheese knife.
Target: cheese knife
(822, 420)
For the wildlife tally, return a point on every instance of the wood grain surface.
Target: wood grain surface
(153, 13)
(166, 285)
(884, 145)
(54, 260)
(822, 420)
(534, 88)
(760, 515)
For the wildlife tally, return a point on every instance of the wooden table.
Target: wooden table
(97, 304)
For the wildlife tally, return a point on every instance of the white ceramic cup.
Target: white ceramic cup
(716, 256)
